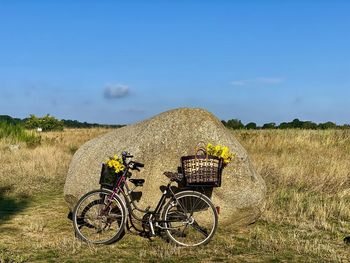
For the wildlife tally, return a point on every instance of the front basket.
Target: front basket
(202, 170)
(108, 177)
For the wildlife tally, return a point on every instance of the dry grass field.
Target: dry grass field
(307, 214)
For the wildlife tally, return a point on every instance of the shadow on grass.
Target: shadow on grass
(10, 206)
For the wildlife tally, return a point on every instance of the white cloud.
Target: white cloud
(116, 91)
(257, 81)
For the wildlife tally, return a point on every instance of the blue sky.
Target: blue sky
(124, 61)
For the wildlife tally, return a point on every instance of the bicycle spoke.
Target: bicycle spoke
(196, 219)
(100, 219)
(195, 205)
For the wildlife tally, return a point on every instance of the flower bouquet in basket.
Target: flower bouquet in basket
(204, 168)
(111, 171)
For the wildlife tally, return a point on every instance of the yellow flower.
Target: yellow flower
(221, 152)
(116, 163)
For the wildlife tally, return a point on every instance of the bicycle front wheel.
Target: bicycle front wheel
(98, 218)
(190, 219)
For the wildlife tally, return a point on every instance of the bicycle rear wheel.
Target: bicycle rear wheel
(98, 218)
(190, 219)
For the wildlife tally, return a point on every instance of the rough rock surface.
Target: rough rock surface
(159, 143)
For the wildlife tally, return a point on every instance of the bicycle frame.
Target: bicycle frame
(131, 205)
(154, 215)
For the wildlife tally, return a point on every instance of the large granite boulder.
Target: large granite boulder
(159, 142)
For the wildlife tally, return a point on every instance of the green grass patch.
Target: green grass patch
(16, 133)
(8, 256)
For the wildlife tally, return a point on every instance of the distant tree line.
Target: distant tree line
(9, 120)
(77, 124)
(237, 124)
(50, 123)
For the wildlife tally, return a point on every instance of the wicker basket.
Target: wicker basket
(202, 170)
(109, 177)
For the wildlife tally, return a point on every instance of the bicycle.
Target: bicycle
(188, 217)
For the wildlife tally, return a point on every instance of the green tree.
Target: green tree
(47, 123)
(270, 125)
(285, 125)
(235, 124)
(32, 122)
(9, 119)
(309, 125)
(296, 123)
(50, 123)
(327, 125)
(251, 126)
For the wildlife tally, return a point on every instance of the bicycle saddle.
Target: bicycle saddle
(137, 182)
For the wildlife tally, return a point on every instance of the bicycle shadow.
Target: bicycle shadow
(10, 206)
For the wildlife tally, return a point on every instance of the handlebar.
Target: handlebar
(132, 165)
(126, 155)
(135, 165)
(138, 164)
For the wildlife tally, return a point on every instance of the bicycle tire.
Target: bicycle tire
(94, 215)
(195, 214)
